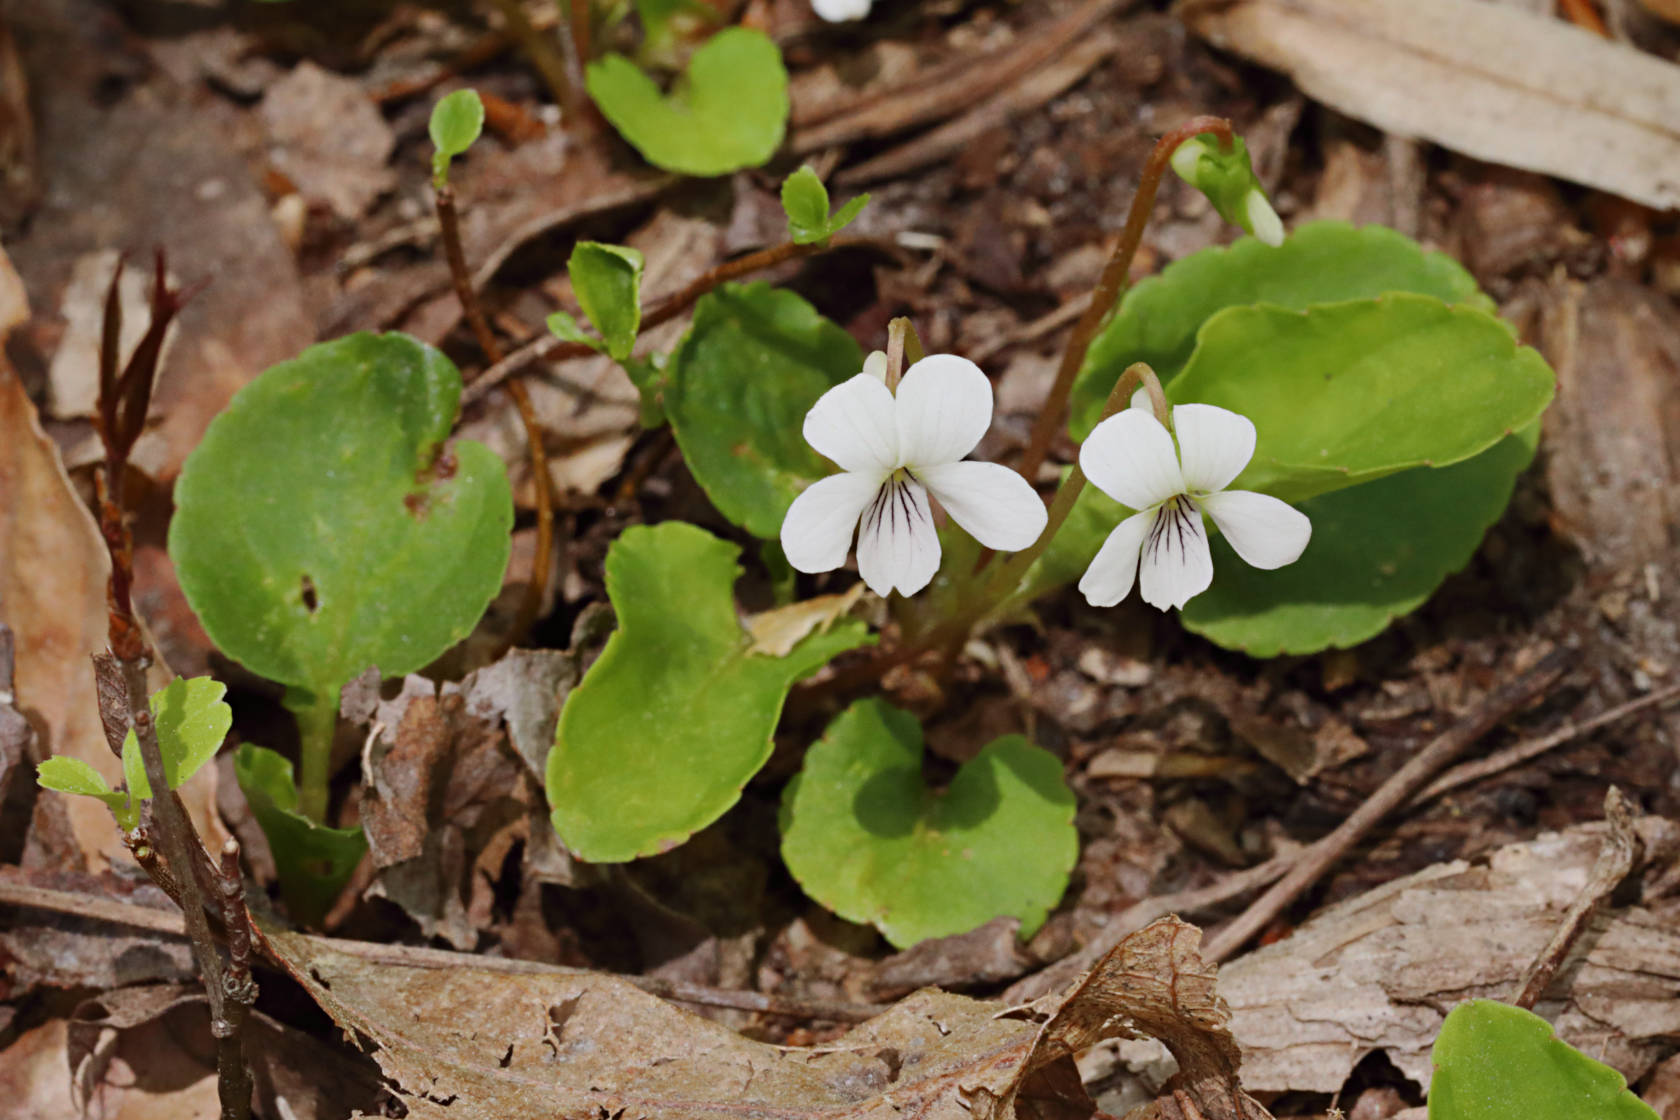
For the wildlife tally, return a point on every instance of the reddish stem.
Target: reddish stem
(1112, 284)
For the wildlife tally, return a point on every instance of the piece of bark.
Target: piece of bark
(1613, 451)
(1380, 971)
(1491, 81)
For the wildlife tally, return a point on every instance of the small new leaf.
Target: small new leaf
(805, 201)
(567, 329)
(457, 120)
(191, 721)
(72, 775)
(607, 280)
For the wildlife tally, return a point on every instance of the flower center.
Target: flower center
(892, 503)
(1172, 529)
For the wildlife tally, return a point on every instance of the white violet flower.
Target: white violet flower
(893, 451)
(1131, 458)
(839, 11)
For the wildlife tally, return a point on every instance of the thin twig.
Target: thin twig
(116, 912)
(184, 873)
(1519, 753)
(1617, 856)
(1392, 794)
(1113, 282)
(549, 348)
(449, 226)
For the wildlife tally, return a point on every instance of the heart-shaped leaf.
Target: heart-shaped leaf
(728, 111)
(1377, 552)
(313, 861)
(323, 526)
(865, 836)
(1345, 393)
(608, 283)
(1496, 1062)
(737, 390)
(666, 727)
(1321, 262)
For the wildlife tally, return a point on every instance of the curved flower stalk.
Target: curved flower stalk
(1164, 546)
(894, 450)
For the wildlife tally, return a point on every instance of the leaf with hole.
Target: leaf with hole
(313, 861)
(727, 111)
(325, 524)
(608, 282)
(1321, 262)
(658, 739)
(865, 836)
(1497, 1062)
(736, 393)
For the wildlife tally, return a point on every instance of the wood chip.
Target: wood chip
(1493, 82)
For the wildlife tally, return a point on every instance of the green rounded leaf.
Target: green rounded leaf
(1496, 1062)
(805, 201)
(322, 526)
(728, 111)
(191, 722)
(1377, 552)
(1345, 393)
(457, 120)
(737, 390)
(313, 861)
(72, 775)
(608, 283)
(657, 740)
(1321, 262)
(865, 836)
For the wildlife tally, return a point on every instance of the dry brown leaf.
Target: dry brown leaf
(1491, 81)
(464, 1043)
(1156, 985)
(775, 632)
(328, 137)
(459, 1041)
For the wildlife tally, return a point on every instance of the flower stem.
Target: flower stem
(449, 226)
(1111, 285)
(317, 720)
(904, 348)
(1009, 574)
